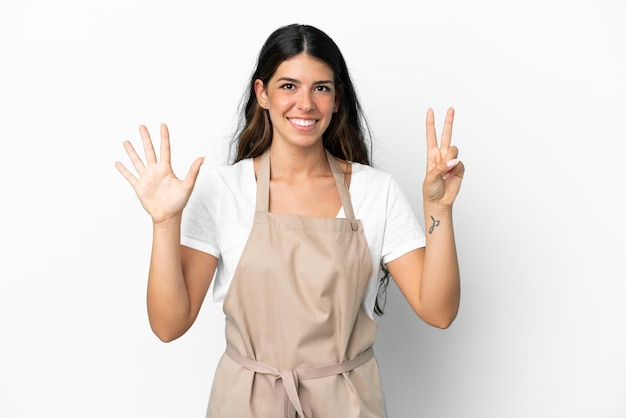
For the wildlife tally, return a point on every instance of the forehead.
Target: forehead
(304, 68)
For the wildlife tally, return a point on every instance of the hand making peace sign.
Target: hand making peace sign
(444, 172)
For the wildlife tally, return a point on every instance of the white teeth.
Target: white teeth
(302, 122)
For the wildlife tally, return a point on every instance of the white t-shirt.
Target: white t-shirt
(219, 215)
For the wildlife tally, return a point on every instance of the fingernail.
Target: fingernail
(452, 163)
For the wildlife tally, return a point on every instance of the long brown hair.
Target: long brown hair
(347, 137)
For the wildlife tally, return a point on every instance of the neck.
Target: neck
(298, 164)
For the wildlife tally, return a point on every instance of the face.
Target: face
(301, 98)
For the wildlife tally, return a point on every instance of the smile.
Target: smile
(303, 122)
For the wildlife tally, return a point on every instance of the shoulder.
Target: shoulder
(369, 191)
(226, 174)
(368, 170)
(230, 171)
(216, 182)
(367, 178)
(373, 189)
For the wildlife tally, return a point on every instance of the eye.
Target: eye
(287, 86)
(323, 88)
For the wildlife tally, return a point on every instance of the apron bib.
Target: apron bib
(299, 343)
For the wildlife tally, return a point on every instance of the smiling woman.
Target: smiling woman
(295, 232)
(301, 98)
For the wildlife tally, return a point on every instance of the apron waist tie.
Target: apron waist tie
(287, 401)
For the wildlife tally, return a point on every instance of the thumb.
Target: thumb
(441, 170)
(192, 174)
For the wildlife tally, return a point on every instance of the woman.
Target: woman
(295, 232)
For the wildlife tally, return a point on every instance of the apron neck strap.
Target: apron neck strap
(342, 188)
(263, 184)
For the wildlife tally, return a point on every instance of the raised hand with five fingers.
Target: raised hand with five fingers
(162, 194)
(444, 172)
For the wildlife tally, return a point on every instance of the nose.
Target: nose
(305, 101)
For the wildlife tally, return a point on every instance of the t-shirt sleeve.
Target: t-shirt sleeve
(402, 233)
(198, 228)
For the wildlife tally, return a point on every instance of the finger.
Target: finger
(431, 134)
(458, 170)
(127, 174)
(442, 168)
(134, 158)
(450, 167)
(165, 152)
(194, 170)
(446, 134)
(148, 148)
(453, 152)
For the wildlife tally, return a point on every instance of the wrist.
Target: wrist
(437, 209)
(166, 224)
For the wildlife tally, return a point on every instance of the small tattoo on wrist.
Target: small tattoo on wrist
(435, 224)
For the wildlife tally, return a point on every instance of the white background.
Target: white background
(540, 97)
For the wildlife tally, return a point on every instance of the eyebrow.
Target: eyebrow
(294, 81)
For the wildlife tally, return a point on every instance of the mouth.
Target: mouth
(303, 123)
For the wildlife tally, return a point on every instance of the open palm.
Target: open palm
(162, 194)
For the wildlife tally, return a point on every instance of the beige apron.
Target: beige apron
(299, 342)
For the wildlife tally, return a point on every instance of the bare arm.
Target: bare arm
(179, 277)
(429, 277)
(178, 281)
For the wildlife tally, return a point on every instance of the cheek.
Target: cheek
(327, 103)
(329, 99)
(281, 102)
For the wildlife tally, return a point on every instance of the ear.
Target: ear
(261, 94)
